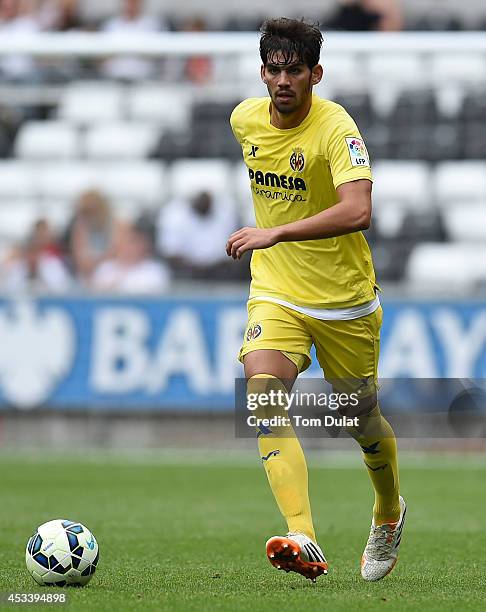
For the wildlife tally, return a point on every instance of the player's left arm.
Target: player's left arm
(352, 213)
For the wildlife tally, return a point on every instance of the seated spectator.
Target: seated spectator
(18, 17)
(131, 21)
(133, 269)
(60, 15)
(90, 234)
(36, 265)
(364, 15)
(198, 68)
(193, 235)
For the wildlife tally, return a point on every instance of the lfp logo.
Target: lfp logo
(358, 152)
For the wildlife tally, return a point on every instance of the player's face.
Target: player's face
(289, 84)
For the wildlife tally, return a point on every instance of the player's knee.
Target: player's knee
(266, 396)
(362, 407)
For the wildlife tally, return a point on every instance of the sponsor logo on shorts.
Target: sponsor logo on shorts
(253, 332)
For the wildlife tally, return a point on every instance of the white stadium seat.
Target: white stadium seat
(241, 181)
(248, 68)
(403, 69)
(65, 180)
(92, 102)
(457, 68)
(57, 212)
(401, 183)
(459, 266)
(47, 139)
(17, 219)
(17, 179)
(120, 140)
(341, 71)
(466, 222)
(162, 105)
(140, 181)
(460, 181)
(190, 176)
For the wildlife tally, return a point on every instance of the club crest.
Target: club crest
(253, 332)
(297, 160)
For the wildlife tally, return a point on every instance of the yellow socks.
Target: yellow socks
(379, 446)
(286, 468)
(283, 458)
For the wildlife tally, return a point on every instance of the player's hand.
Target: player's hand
(249, 238)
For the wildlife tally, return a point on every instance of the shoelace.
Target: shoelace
(380, 543)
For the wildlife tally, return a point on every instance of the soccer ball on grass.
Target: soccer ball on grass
(61, 553)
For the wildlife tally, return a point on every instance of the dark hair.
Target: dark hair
(293, 38)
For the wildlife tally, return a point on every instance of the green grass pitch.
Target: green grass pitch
(189, 536)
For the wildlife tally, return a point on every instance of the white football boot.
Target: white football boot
(297, 553)
(381, 552)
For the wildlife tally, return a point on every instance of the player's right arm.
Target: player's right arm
(351, 214)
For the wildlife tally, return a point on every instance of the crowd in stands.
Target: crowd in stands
(35, 16)
(101, 253)
(65, 15)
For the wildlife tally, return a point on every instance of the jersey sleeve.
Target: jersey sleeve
(346, 151)
(236, 122)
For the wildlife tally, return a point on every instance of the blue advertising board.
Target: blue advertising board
(169, 354)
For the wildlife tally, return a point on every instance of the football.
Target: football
(62, 553)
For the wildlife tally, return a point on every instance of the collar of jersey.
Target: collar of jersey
(301, 125)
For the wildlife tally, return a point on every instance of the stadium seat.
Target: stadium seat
(401, 183)
(143, 182)
(17, 218)
(414, 108)
(466, 222)
(243, 194)
(121, 140)
(248, 69)
(390, 259)
(457, 68)
(459, 181)
(17, 179)
(57, 212)
(403, 70)
(92, 102)
(378, 140)
(65, 180)
(474, 140)
(188, 177)
(358, 105)
(459, 266)
(474, 106)
(47, 139)
(161, 105)
(342, 71)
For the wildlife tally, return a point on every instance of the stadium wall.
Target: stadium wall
(159, 355)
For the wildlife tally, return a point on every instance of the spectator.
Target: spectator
(363, 15)
(198, 68)
(90, 234)
(133, 269)
(18, 17)
(36, 265)
(60, 15)
(131, 21)
(192, 235)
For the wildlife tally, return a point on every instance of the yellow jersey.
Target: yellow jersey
(294, 174)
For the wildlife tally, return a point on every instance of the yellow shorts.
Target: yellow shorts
(344, 349)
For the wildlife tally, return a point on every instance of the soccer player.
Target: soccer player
(312, 283)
